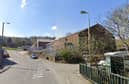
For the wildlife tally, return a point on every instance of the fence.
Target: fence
(102, 77)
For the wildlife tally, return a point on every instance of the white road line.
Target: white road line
(39, 73)
(38, 76)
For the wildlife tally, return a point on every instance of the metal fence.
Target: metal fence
(102, 77)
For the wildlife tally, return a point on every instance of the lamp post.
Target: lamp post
(85, 12)
(2, 41)
(3, 23)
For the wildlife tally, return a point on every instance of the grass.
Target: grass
(8, 48)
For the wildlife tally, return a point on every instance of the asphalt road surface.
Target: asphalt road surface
(25, 70)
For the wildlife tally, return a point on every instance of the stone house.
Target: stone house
(101, 40)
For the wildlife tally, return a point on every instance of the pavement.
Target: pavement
(67, 73)
(4, 69)
(6, 64)
(24, 70)
(21, 69)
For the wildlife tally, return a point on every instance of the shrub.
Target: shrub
(66, 54)
(71, 56)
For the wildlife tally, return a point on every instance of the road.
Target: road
(25, 70)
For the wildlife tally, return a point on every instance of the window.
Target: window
(69, 45)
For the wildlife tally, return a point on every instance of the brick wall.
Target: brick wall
(101, 40)
(60, 43)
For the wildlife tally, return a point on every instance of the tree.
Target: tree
(118, 23)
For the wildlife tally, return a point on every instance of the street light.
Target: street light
(85, 12)
(3, 23)
(2, 40)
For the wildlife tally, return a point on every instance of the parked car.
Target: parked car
(34, 56)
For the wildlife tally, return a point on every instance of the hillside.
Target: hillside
(20, 41)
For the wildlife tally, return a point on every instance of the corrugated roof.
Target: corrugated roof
(45, 40)
(118, 53)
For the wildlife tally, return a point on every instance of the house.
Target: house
(41, 43)
(71, 41)
(101, 40)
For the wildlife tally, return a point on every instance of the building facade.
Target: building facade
(41, 43)
(101, 40)
(71, 41)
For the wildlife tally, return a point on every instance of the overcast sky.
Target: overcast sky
(52, 17)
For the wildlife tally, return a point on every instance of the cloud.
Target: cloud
(57, 32)
(23, 3)
(54, 28)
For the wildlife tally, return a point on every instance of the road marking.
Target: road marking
(35, 76)
(39, 73)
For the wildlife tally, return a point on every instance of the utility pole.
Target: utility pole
(2, 42)
(3, 23)
(89, 51)
(2, 34)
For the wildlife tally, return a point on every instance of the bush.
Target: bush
(71, 56)
(66, 54)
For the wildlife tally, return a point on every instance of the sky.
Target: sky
(52, 17)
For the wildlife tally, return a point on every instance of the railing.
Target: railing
(102, 77)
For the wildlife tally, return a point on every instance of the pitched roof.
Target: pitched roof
(86, 29)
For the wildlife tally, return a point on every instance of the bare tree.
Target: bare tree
(118, 23)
